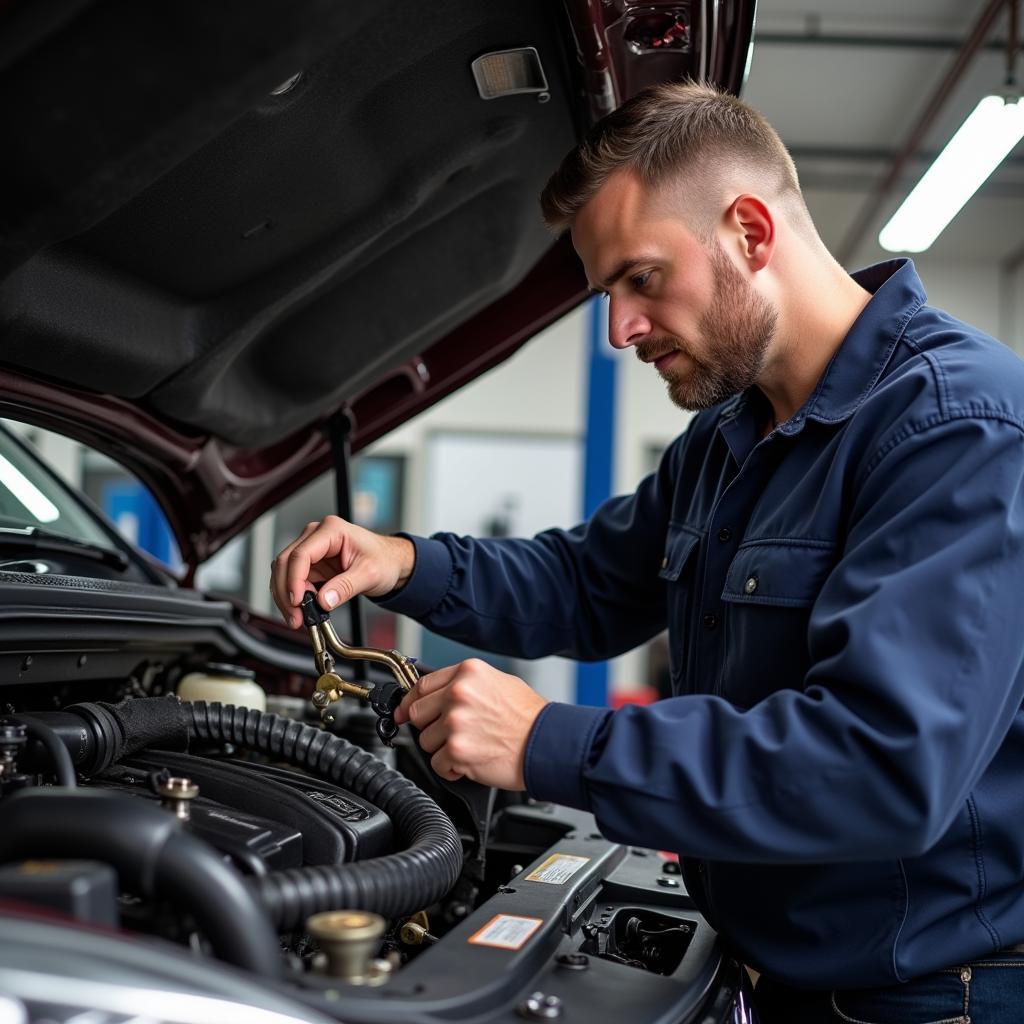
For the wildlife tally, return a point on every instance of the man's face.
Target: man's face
(679, 301)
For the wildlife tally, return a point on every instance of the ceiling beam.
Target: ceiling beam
(874, 154)
(850, 40)
(858, 181)
(974, 41)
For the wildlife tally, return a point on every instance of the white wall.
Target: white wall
(1011, 307)
(980, 293)
(970, 291)
(539, 390)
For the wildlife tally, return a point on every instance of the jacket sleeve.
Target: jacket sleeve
(589, 593)
(916, 675)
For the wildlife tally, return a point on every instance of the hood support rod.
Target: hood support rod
(339, 433)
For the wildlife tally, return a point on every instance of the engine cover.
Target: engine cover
(262, 816)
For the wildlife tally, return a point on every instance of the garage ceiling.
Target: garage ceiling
(845, 83)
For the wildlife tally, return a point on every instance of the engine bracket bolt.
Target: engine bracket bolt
(176, 793)
(573, 961)
(12, 742)
(540, 1007)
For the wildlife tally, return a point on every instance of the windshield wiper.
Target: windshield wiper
(36, 539)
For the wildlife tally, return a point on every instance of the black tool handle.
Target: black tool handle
(312, 613)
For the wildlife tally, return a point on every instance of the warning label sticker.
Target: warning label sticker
(558, 868)
(506, 931)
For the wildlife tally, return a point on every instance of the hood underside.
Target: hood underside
(222, 224)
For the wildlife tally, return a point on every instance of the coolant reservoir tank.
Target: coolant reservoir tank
(229, 684)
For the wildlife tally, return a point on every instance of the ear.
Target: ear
(754, 225)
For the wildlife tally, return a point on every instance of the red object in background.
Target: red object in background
(641, 695)
(381, 630)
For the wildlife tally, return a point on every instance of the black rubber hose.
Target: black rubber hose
(153, 856)
(60, 759)
(392, 885)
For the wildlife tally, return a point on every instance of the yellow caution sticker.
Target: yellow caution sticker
(558, 868)
(506, 931)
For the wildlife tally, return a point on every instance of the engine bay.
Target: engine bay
(292, 864)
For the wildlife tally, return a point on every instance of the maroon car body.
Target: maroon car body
(171, 247)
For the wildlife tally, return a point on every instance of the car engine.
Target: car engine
(166, 859)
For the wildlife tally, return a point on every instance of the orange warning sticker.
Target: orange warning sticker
(506, 931)
(558, 868)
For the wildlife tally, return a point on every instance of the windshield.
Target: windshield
(30, 496)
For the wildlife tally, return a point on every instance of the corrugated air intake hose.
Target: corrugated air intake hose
(99, 734)
(392, 885)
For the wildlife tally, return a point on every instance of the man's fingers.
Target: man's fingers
(279, 572)
(420, 708)
(320, 544)
(434, 736)
(442, 766)
(428, 697)
(402, 711)
(437, 680)
(300, 565)
(335, 591)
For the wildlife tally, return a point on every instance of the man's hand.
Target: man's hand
(475, 721)
(345, 558)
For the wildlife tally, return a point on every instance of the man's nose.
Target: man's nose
(626, 324)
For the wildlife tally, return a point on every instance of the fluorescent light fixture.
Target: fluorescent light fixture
(995, 126)
(37, 503)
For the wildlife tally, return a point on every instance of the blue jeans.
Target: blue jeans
(988, 991)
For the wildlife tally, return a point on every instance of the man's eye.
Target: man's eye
(640, 280)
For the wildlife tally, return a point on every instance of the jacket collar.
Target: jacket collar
(857, 366)
(896, 295)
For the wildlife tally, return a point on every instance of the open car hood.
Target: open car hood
(222, 225)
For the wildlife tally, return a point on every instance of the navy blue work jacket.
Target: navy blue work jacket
(842, 764)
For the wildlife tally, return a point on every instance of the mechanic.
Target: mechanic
(836, 546)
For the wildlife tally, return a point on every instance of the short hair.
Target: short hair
(676, 132)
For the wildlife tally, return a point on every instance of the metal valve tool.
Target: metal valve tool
(383, 698)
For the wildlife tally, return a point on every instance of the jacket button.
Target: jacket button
(751, 585)
(725, 535)
(710, 620)
(664, 562)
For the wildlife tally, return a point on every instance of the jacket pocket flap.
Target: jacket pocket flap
(680, 542)
(779, 572)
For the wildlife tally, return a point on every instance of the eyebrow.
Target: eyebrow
(623, 268)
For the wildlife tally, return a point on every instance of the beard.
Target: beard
(737, 329)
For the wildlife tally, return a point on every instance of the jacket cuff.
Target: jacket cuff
(426, 587)
(558, 751)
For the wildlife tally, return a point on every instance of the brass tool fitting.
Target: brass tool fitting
(330, 687)
(416, 931)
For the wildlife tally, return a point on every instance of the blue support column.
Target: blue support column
(138, 517)
(598, 464)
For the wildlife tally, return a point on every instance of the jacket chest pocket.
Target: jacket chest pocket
(679, 571)
(769, 591)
